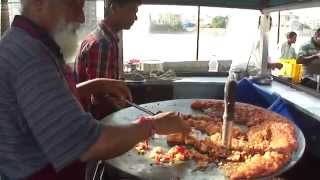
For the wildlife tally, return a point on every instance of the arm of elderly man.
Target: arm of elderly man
(64, 131)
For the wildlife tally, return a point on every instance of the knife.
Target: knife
(228, 115)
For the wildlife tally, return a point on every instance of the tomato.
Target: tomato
(181, 149)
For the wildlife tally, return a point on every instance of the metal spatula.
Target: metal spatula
(140, 108)
(133, 104)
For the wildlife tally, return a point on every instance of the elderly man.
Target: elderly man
(99, 53)
(44, 132)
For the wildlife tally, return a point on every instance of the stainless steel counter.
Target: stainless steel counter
(212, 87)
(304, 102)
(301, 100)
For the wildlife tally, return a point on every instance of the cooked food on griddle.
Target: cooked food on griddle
(261, 144)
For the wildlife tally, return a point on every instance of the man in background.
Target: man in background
(99, 56)
(309, 57)
(287, 51)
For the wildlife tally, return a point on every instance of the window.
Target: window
(94, 12)
(169, 33)
(166, 33)
(8, 10)
(302, 21)
(274, 38)
(228, 34)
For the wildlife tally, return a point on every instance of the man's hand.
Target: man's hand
(317, 55)
(275, 65)
(308, 59)
(114, 88)
(116, 140)
(168, 123)
(119, 103)
(117, 90)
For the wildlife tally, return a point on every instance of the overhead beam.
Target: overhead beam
(297, 5)
(263, 5)
(252, 4)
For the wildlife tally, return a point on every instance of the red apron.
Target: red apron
(75, 171)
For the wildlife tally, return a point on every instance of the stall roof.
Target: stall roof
(245, 4)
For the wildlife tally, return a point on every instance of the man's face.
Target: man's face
(316, 38)
(68, 11)
(293, 39)
(69, 15)
(74, 11)
(127, 14)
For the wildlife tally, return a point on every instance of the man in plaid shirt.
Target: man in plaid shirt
(99, 52)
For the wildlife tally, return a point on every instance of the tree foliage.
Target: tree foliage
(219, 22)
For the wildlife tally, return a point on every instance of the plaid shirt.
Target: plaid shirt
(99, 55)
(99, 58)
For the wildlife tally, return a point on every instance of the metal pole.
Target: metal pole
(5, 21)
(264, 31)
(279, 18)
(198, 34)
(318, 82)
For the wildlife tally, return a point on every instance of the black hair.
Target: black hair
(318, 30)
(123, 2)
(291, 34)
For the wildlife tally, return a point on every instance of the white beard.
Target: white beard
(66, 37)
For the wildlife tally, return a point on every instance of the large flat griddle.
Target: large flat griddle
(144, 168)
